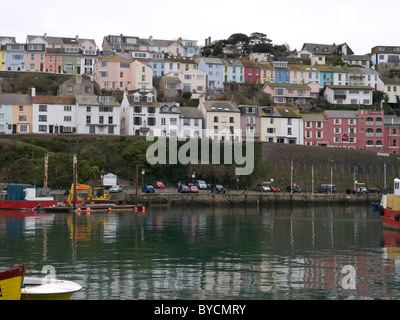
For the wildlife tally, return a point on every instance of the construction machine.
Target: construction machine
(94, 194)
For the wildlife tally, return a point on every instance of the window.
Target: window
(151, 109)
(289, 131)
(173, 121)
(42, 128)
(231, 120)
(88, 119)
(215, 119)
(22, 118)
(137, 121)
(42, 108)
(67, 118)
(101, 119)
(151, 121)
(110, 120)
(186, 122)
(21, 109)
(42, 118)
(137, 109)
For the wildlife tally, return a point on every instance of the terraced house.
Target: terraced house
(15, 113)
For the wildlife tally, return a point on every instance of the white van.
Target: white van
(201, 184)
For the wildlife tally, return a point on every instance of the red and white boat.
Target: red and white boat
(390, 208)
(29, 200)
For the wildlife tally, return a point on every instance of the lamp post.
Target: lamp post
(193, 176)
(143, 173)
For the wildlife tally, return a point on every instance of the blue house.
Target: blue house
(15, 57)
(213, 67)
(282, 72)
(326, 76)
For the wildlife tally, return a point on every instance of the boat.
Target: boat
(21, 197)
(35, 288)
(11, 282)
(390, 208)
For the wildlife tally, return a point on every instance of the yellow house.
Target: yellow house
(267, 72)
(142, 77)
(2, 60)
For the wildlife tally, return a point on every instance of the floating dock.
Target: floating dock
(93, 207)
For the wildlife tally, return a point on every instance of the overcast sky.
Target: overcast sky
(362, 24)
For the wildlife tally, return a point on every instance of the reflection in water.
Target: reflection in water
(210, 253)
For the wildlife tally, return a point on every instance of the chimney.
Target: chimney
(205, 42)
(209, 40)
(45, 36)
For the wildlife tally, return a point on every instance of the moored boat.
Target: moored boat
(390, 208)
(11, 282)
(34, 288)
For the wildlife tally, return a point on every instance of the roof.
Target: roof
(323, 49)
(53, 100)
(289, 85)
(221, 106)
(279, 112)
(15, 99)
(341, 114)
(190, 112)
(314, 117)
(350, 87)
(95, 101)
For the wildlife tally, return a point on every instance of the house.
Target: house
(372, 79)
(213, 68)
(251, 71)
(314, 129)
(342, 129)
(142, 77)
(363, 61)
(281, 125)
(303, 73)
(221, 120)
(170, 88)
(267, 72)
(391, 87)
(355, 95)
(113, 72)
(321, 51)
(233, 70)
(54, 114)
(282, 72)
(250, 121)
(54, 60)
(191, 123)
(138, 114)
(193, 81)
(97, 115)
(15, 113)
(77, 85)
(385, 54)
(35, 57)
(15, 56)
(391, 134)
(297, 95)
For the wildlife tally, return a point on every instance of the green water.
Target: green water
(209, 253)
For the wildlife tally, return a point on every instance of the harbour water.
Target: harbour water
(194, 253)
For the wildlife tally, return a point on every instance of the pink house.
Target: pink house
(361, 130)
(298, 96)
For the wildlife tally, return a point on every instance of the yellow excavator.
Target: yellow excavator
(94, 194)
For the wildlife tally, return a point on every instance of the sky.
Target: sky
(362, 24)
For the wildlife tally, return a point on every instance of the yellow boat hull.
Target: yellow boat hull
(48, 289)
(64, 296)
(11, 282)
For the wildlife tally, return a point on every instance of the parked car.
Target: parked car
(274, 189)
(158, 185)
(294, 188)
(193, 189)
(200, 184)
(325, 188)
(218, 188)
(360, 190)
(148, 188)
(263, 188)
(373, 190)
(183, 188)
(116, 189)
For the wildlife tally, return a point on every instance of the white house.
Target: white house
(97, 115)
(193, 81)
(221, 120)
(191, 123)
(53, 114)
(138, 114)
(343, 94)
(281, 125)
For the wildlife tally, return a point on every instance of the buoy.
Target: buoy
(87, 209)
(143, 209)
(135, 209)
(109, 209)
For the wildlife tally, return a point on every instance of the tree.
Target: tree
(241, 42)
(258, 38)
(218, 50)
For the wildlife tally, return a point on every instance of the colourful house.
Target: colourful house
(233, 70)
(251, 71)
(54, 60)
(16, 111)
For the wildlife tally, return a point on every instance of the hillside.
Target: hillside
(22, 161)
